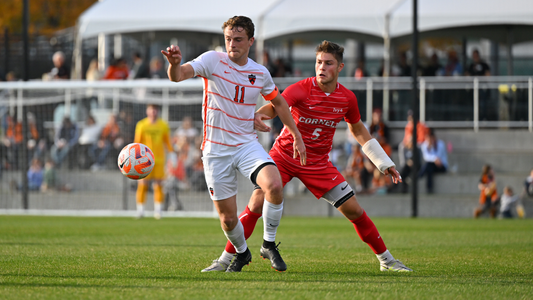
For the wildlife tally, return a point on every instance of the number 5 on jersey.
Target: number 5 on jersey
(236, 99)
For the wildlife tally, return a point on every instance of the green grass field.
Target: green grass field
(123, 258)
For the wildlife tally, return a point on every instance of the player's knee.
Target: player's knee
(228, 222)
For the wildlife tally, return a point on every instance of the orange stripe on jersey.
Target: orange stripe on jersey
(204, 107)
(272, 95)
(235, 83)
(223, 143)
(232, 101)
(234, 117)
(228, 131)
(246, 72)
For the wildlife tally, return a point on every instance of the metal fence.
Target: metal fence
(87, 180)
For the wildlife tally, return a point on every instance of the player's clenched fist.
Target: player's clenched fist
(173, 55)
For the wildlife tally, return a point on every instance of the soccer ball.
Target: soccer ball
(136, 161)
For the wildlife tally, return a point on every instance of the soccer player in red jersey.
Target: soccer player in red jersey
(318, 104)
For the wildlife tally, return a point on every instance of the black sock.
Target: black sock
(268, 244)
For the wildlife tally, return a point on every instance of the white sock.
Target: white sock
(385, 257)
(157, 208)
(226, 257)
(271, 219)
(236, 237)
(140, 209)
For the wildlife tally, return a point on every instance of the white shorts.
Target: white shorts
(221, 170)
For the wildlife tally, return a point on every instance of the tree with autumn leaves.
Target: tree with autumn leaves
(46, 16)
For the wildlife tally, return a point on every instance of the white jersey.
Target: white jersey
(230, 97)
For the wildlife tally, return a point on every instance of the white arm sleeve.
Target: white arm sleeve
(377, 155)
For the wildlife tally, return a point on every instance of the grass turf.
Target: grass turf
(122, 258)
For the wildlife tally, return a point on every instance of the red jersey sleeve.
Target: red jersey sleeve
(295, 92)
(352, 116)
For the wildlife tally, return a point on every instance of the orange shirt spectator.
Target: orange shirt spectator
(117, 71)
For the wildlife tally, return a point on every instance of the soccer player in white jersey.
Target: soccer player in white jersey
(318, 104)
(232, 85)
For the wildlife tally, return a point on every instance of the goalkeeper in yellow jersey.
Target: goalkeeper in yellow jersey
(153, 132)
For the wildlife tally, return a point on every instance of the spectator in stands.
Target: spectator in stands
(478, 67)
(488, 196)
(49, 178)
(281, 68)
(93, 73)
(37, 147)
(110, 138)
(13, 140)
(528, 186)
(267, 62)
(507, 201)
(127, 126)
(66, 138)
(380, 131)
(354, 167)
(187, 130)
(157, 70)
(59, 71)
(139, 69)
(406, 159)
(453, 67)
(35, 175)
(88, 138)
(435, 158)
(360, 70)
(406, 148)
(118, 70)
(403, 68)
(434, 67)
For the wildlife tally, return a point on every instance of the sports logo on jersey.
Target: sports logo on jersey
(251, 77)
(211, 191)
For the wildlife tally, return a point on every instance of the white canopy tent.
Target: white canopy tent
(364, 20)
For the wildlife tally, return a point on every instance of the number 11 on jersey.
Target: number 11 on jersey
(236, 99)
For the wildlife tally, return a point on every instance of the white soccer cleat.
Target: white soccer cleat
(216, 266)
(394, 266)
(157, 215)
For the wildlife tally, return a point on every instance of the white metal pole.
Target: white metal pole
(369, 90)
(164, 109)
(422, 101)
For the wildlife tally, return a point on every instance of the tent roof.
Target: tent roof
(357, 18)
(463, 18)
(126, 16)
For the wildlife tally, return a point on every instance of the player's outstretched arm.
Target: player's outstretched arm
(266, 112)
(177, 72)
(282, 109)
(374, 151)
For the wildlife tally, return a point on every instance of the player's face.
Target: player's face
(327, 68)
(151, 112)
(237, 44)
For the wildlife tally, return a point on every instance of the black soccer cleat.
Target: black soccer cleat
(270, 250)
(240, 260)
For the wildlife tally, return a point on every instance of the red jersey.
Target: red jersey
(316, 115)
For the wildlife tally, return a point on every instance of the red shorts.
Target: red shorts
(318, 182)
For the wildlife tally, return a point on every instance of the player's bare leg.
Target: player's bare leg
(269, 180)
(369, 234)
(159, 197)
(140, 197)
(234, 231)
(248, 219)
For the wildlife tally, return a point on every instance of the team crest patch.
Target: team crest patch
(251, 77)
(211, 191)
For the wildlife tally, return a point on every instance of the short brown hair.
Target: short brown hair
(332, 48)
(240, 21)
